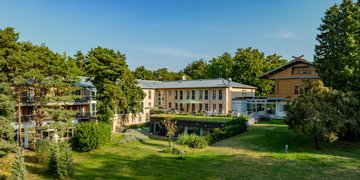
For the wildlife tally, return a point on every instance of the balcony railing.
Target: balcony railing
(85, 115)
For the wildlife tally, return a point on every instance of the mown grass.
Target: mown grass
(256, 154)
(176, 117)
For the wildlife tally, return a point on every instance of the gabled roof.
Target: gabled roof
(198, 83)
(84, 82)
(282, 67)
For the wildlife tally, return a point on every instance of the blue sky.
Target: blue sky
(169, 33)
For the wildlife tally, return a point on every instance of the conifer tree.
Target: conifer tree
(18, 171)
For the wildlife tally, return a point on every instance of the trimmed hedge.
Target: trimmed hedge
(89, 136)
(234, 127)
(193, 140)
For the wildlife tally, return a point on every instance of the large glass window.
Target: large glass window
(220, 94)
(200, 94)
(220, 108)
(214, 107)
(193, 95)
(176, 94)
(187, 94)
(206, 107)
(214, 94)
(181, 94)
(206, 94)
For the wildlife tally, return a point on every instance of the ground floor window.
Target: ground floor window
(214, 108)
(206, 107)
(220, 108)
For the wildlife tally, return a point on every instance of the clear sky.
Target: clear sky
(168, 33)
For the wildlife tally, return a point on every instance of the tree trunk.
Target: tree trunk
(317, 143)
(18, 95)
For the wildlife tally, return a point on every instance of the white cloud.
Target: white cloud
(286, 35)
(174, 52)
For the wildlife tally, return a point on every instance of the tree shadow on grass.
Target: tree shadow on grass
(202, 166)
(273, 138)
(34, 167)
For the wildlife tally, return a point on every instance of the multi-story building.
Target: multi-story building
(84, 105)
(210, 96)
(289, 82)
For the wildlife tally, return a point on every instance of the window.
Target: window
(206, 94)
(200, 94)
(181, 94)
(149, 94)
(169, 93)
(301, 70)
(181, 107)
(200, 107)
(243, 93)
(187, 107)
(298, 90)
(214, 94)
(214, 108)
(169, 105)
(139, 119)
(193, 95)
(220, 94)
(206, 107)
(149, 104)
(193, 107)
(187, 94)
(176, 106)
(220, 108)
(176, 94)
(147, 116)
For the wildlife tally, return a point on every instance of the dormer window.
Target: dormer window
(301, 70)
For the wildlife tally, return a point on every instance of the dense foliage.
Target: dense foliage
(18, 171)
(324, 113)
(233, 127)
(7, 105)
(89, 136)
(193, 140)
(117, 89)
(61, 161)
(337, 56)
(43, 151)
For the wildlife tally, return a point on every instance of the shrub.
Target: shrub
(43, 150)
(137, 126)
(89, 136)
(5, 147)
(235, 126)
(170, 150)
(18, 170)
(193, 140)
(133, 135)
(61, 162)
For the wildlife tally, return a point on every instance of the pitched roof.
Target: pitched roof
(282, 67)
(84, 82)
(198, 83)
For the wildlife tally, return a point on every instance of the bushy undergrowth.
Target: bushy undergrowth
(89, 136)
(5, 147)
(234, 127)
(193, 140)
(137, 126)
(61, 161)
(170, 150)
(43, 150)
(132, 135)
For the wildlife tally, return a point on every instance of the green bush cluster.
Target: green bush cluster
(170, 150)
(18, 170)
(61, 161)
(43, 150)
(235, 126)
(193, 140)
(89, 136)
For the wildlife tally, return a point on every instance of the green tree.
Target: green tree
(220, 67)
(163, 74)
(7, 110)
(80, 61)
(250, 63)
(61, 161)
(337, 56)
(144, 74)
(116, 85)
(18, 171)
(196, 69)
(171, 129)
(322, 112)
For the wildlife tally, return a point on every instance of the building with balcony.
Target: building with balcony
(84, 105)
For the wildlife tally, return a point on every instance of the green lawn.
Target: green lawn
(193, 118)
(256, 154)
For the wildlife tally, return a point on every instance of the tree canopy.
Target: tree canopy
(337, 56)
(196, 69)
